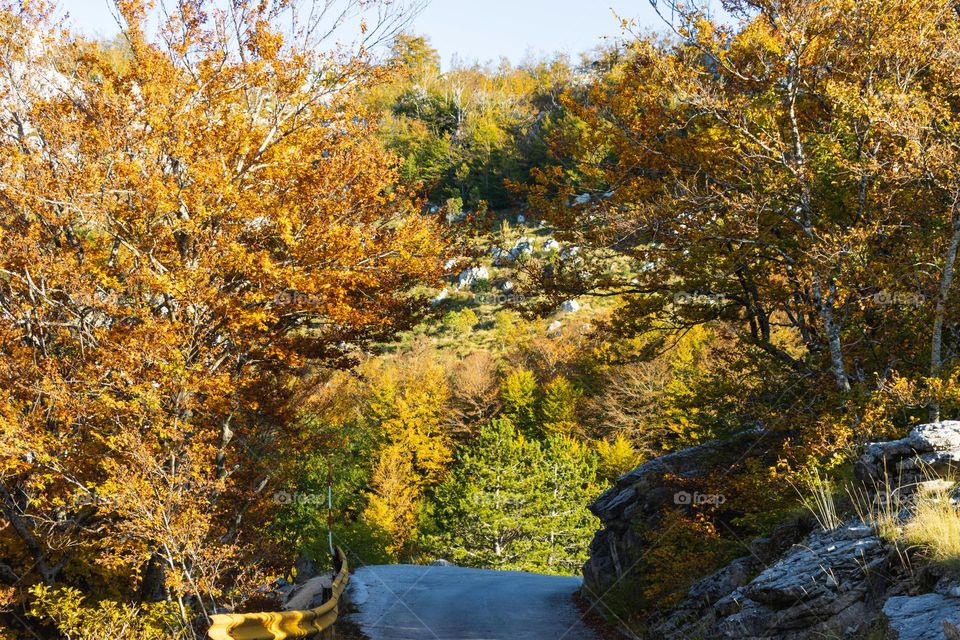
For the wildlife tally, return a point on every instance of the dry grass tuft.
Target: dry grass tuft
(935, 527)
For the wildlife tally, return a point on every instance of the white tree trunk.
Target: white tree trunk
(940, 312)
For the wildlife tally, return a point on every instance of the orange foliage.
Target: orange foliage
(187, 219)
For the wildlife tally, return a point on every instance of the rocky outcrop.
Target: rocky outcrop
(796, 583)
(709, 600)
(638, 498)
(825, 586)
(908, 462)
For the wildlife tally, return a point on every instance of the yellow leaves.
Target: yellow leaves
(265, 42)
(394, 502)
(76, 617)
(148, 342)
(616, 457)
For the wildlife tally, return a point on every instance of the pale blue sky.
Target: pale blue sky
(476, 29)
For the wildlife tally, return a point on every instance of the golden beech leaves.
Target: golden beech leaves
(186, 220)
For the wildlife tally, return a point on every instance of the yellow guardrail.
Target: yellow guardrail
(282, 624)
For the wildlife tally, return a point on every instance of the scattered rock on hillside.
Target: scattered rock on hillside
(469, 277)
(523, 246)
(570, 306)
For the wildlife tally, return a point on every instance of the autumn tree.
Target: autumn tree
(186, 223)
(772, 176)
(518, 393)
(407, 403)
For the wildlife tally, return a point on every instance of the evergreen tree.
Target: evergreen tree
(615, 457)
(514, 503)
(484, 504)
(563, 524)
(558, 408)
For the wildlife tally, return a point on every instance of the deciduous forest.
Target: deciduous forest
(238, 262)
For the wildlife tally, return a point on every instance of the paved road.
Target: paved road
(410, 602)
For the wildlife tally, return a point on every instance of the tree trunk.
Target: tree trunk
(154, 588)
(939, 314)
(13, 512)
(825, 309)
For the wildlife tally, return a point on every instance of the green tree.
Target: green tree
(514, 503)
(518, 393)
(615, 457)
(563, 525)
(414, 53)
(484, 505)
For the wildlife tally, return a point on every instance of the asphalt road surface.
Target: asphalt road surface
(413, 602)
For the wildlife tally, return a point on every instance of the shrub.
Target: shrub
(460, 321)
(76, 619)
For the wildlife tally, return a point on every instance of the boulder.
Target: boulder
(469, 277)
(570, 306)
(310, 594)
(523, 246)
(637, 499)
(906, 463)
